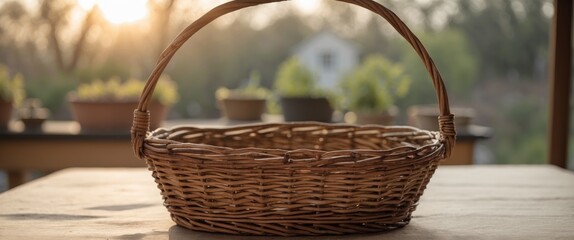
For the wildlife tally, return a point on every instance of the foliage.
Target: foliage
(455, 61)
(253, 89)
(56, 15)
(11, 89)
(212, 59)
(295, 80)
(52, 91)
(523, 138)
(115, 90)
(375, 85)
(512, 36)
(106, 70)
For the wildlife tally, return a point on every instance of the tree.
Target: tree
(15, 40)
(510, 35)
(161, 11)
(55, 14)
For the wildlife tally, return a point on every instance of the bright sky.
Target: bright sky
(118, 12)
(307, 6)
(303, 5)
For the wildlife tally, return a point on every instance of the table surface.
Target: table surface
(461, 202)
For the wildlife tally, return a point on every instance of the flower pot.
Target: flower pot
(381, 118)
(112, 116)
(33, 115)
(5, 114)
(243, 109)
(306, 109)
(425, 117)
(33, 124)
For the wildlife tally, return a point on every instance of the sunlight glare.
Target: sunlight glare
(118, 12)
(307, 6)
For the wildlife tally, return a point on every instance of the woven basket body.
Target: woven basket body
(292, 178)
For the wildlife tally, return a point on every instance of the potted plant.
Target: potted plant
(33, 115)
(109, 105)
(245, 103)
(372, 89)
(11, 93)
(300, 98)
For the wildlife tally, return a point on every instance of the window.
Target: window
(328, 60)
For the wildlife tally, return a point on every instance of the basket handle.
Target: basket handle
(140, 127)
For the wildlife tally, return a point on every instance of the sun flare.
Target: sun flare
(118, 12)
(307, 6)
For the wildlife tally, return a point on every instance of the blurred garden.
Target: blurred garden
(493, 55)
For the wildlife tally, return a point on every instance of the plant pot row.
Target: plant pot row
(94, 116)
(318, 109)
(294, 109)
(110, 116)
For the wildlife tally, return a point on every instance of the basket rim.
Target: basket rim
(159, 136)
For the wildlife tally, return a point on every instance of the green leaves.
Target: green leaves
(375, 85)
(11, 89)
(116, 90)
(253, 89)
(294, 80)
(453, 57)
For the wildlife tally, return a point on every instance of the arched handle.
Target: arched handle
(140, 126)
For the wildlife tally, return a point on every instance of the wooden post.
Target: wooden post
(560, 74)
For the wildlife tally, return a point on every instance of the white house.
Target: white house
(329, 57)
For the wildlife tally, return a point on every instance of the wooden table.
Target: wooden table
(62, 145)
(461, 202)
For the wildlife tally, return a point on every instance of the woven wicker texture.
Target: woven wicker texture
(292, 178)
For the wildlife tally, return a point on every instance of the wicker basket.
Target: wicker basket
(292, 178)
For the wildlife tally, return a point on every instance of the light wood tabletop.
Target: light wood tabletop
(461, 202)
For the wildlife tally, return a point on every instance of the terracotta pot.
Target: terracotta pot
(112, 116)
(426, 117)
(243, 109)
(33, 124)
(5, 114)
(306, 109)
(380, 118)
